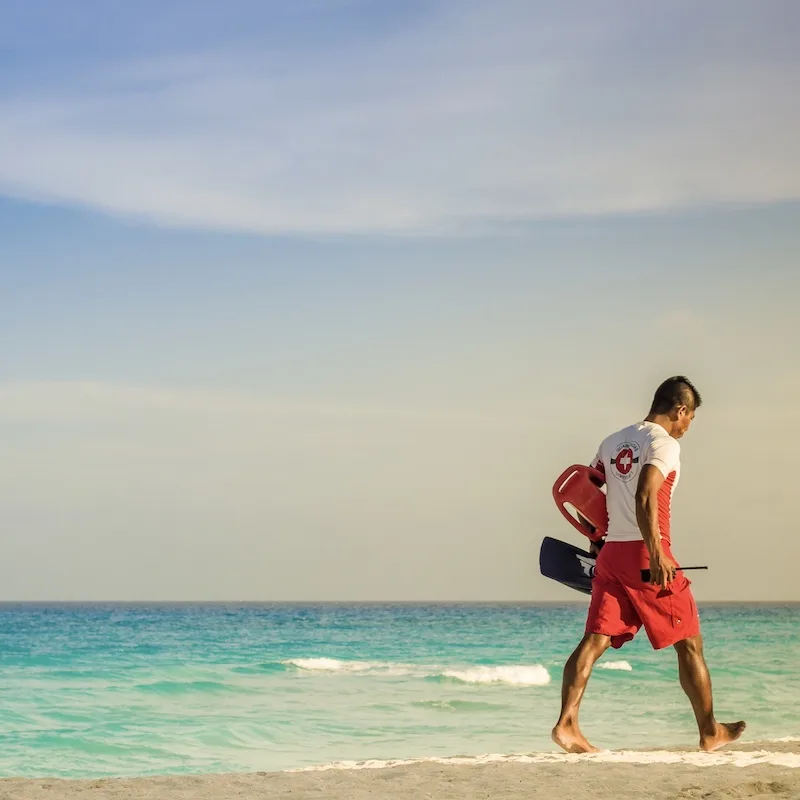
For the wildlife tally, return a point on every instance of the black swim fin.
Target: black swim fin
(567, 564)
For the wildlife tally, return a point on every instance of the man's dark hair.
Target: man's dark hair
(674, 392)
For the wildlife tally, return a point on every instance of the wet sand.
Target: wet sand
(549, 776)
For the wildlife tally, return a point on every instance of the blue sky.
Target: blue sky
(367, 117)
(349, 283)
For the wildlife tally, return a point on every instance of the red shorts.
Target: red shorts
(622, 602)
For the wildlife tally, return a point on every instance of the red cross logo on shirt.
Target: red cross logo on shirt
(624, 461)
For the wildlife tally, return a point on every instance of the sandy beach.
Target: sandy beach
(750, 770)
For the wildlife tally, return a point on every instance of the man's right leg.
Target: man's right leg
(696, 682)
(567, 732)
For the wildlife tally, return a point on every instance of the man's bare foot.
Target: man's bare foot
(572, 740)
(726, 733)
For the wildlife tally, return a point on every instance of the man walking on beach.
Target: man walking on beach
(641, 464)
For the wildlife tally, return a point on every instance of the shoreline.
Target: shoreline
(359, 603)
(757, 769)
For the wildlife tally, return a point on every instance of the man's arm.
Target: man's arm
(594, 547)
(595, 463)
(662, 569)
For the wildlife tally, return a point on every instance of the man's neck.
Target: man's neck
(660, 419)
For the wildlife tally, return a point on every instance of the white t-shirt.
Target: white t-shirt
(622, 456)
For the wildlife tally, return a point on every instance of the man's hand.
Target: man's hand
(594, 547)
(662, 570)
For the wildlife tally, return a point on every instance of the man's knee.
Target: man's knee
(692, 646)
(595, 643)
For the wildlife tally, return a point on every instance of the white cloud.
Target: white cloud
(477, 114)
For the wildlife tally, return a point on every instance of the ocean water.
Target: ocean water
(126, 690)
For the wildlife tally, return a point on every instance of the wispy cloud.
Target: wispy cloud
(450, 114)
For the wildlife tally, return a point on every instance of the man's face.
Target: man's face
(683, 421)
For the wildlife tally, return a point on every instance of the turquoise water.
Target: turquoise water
(136, 689)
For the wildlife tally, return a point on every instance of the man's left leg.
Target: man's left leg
(696, 682)
(671, 618)
(567, 732)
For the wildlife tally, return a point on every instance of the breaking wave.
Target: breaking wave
(535, 675)
(514, 674)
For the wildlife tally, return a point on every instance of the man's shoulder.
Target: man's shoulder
(628, 433)
(663, 451)
(642, 434)
(659, 437)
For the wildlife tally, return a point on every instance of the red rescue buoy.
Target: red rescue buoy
(579, 486)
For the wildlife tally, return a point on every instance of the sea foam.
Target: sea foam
(512, 674)
(621, 665)
(748, 758)
(352, 667)
(535, 675)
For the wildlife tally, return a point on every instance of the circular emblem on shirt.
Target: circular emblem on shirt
(625, 461)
